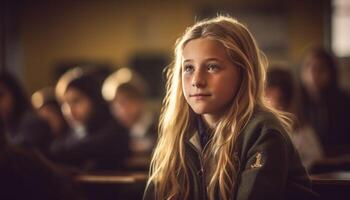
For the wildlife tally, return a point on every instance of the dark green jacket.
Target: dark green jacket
(269, 165)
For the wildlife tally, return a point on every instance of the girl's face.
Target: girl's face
(209, 78)
(76, 106)
(126, 109)
(315, 74)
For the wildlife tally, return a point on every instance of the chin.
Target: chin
(200, 111)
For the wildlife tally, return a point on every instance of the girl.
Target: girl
(218, 138)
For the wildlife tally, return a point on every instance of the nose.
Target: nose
(198, 80)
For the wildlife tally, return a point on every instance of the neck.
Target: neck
(314, 94)
(210, 120)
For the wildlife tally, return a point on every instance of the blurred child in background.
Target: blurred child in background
(95, 140)
(48, 108)
(281, 92)
(127, 94)
(22, 127)
(324, 105)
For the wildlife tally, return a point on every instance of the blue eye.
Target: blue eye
(188, 68)
(213, 67)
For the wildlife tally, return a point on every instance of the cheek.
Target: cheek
(83, 111)
(227, 87)
(116, 106)
(226, 93)
(123, 111)
(324, 77)
(86, 108)
(186, 86)
(6, 103)
(308, 76)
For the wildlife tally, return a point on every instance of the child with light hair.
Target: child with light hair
(218, 136)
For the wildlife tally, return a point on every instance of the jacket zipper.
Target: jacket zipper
(204, 188)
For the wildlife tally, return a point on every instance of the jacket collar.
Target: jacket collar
(195, 141)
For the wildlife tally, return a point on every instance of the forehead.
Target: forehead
(316, 62)
(72, 92)
(203, 48)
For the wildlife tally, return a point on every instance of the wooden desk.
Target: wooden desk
(333, 178)
(335, 185)
(113, 178)
(112, 186)
(330, 186)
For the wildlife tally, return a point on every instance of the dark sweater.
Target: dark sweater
(269, 166)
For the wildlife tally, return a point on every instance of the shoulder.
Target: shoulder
(264, 130)
(264, 122)
(32, 120)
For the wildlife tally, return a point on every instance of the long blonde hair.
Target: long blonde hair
(169, 173)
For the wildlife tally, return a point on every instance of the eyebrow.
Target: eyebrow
(206, 60)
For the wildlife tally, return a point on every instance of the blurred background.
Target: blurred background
(40, 37)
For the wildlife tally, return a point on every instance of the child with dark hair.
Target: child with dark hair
(25, 173)
(325, 106)
(22, 127)
(281, 92)
(96, 141)
(48, 108)
(129, 103)
(280, 88)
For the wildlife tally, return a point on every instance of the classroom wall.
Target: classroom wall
(112, 31)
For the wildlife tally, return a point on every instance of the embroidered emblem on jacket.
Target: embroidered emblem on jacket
(258, 161)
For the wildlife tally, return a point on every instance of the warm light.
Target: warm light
(341, 28)
(112, 83)
(37, 100)
(124, 75)
(65, 79)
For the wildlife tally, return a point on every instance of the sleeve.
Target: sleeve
(264, 172)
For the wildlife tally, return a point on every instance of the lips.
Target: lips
(198, 95)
